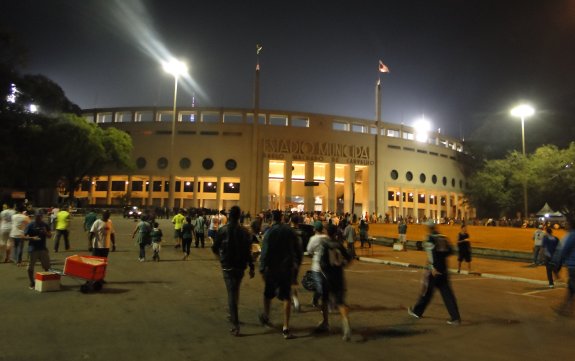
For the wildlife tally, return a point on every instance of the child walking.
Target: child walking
(156, 241)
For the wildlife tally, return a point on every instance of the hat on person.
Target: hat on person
(318, 226)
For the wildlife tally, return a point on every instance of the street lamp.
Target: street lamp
(523, 111)
(176, 68)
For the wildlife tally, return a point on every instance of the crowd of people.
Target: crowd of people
(277, 240)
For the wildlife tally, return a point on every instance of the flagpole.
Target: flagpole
(256, 154)
(377, 122)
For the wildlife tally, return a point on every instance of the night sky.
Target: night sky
(457, 62)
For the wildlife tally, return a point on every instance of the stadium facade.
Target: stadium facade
(278, 160)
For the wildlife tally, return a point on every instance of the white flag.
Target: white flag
(383, 68)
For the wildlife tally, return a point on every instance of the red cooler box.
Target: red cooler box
(87, 267)
(47, 281)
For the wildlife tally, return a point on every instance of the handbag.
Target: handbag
(307, 281)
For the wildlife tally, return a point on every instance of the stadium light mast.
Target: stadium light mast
(523, 111)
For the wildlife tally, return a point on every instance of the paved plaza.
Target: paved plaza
(176, 310)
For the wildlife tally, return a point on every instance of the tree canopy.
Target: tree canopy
(496, 189)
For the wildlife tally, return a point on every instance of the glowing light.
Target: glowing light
(188, 183)
(523, 111)
(422, 128)
(175, 67)
(33, 108)
(209, 184)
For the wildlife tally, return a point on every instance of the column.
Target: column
(109, 191)
(369, 188)
(129, 189)
(309, 200)
(91, 190)
(427, 205)
(265, 191)
(400, 213)
(349, 191)
(416, 205)
(195, 186)
(331, 204)
(287, 182)
(219, 191)
(150, 190)
(385, 202)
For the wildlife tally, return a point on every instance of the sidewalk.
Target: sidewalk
(482, 267)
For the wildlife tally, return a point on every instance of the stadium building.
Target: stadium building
(216, 158)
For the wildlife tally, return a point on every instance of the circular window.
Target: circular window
(409, 176)
(394, 174)
(453, 182)
(185, 163)
(162, 163)
(231, 164)
(208, 163)
(422, 178)
(444, 181)
(434, 179)
(141, 163)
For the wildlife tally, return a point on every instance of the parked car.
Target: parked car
(132, 212)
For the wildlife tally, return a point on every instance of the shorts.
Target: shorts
(278, 285)
(464, 255)
(212, 234)
(177, 233)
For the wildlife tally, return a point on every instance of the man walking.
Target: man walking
(233, 246)
(62, 225)
(537, 243)
(89, 220)
(438, 249)
(5, 228)
(103, 236)
(37, 232)
(566, 254)
(402, 230)
(280, 260)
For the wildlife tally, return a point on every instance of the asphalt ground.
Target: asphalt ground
(176, 310)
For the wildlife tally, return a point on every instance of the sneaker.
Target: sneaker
(264, 320)
(412, 314)
(287, 334)
(32, 286)
(322, 327)
(454, 322)
(235, 331)
(141, 259)
(346, 330)
(551, 286)
(296, 305)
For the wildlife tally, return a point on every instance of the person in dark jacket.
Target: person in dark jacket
(549, 245)
(280, 260)
(233, 246)
(438, 249)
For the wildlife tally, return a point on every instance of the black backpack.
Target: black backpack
(332, 257)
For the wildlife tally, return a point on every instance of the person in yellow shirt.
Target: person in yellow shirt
(62, 225)
(178, 222)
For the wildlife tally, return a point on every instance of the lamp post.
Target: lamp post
(523, 111)
(176, 68)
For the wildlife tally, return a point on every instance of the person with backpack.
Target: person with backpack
(233, 246)
(332, 260)
(438, 249)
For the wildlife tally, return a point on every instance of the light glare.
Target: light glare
(523, 111)
(175, 67)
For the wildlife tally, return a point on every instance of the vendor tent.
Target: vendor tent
(546, 211)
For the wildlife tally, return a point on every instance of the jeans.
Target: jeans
(200, 239)
(233, 279)
(319, 282)
(60, 233)
(43, 257)
(142, 251)
(17, 250)
(442, 282)
(536, 252)
(351, 249)
(186, 245)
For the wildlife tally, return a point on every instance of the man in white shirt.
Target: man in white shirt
(5, 228)
(102, 235)
(19, 223)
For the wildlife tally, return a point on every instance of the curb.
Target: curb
(451, 270)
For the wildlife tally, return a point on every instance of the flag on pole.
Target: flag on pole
(259, 48)
(383, 68)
